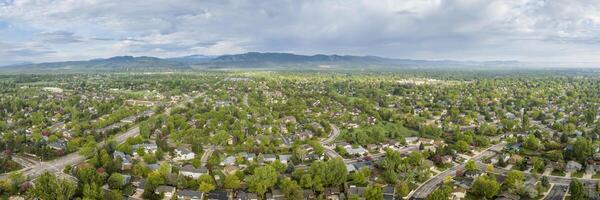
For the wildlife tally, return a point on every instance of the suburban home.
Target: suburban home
(241, 195)
(372, 147)
(429, 148)
(148, 148)
(314, 156)
(275, 195)
(357, 151)
(230, 169)
(183, 154)
(269, 158)
(58, 145)
(428, 163)
(304, 135)
(331, 193)
(458, 193)
(389, 193)
(168, 191)
(129, 120)
(229, 160)
(573, 166)
(426, 141)
(285, 158)
(412, 140)
(189, 195)
(354, 191)
(248, 156)
(126, 162)
(217, 195)
(309, 194)
(192, 172)
(350, 167)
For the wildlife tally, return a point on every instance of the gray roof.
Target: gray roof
(190, 168)
(190, 193)
(184, 150)
(164, 189)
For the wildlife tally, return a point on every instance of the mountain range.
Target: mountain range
(251, 60)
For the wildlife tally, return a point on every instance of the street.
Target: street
(557, 192)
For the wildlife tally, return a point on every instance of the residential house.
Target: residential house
(147, 147)
(285, 158)
(309, 194)
(350, 168)
(168, 191)
(357, 151)
(275, 195)
(389, 193)
(183, 154)
(217, 195)
(230, 170)
(269, 158)
(412, 140)
(126, 161)
(331, 193)
(192, 172)
(58, 145)
(229, 160)
(248, 156)
(573, 166)
(241, 195)
(426, 141)
(189, 195)
(129, 120)
(354, 191)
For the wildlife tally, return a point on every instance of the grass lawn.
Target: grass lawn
(558, 173)
(596, 176)
(443, 167)
(9, 166)
(578, 174)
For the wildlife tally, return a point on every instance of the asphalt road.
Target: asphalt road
(557, 192)
(326, 142)
(426, 188)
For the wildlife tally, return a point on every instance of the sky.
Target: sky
(524, 30)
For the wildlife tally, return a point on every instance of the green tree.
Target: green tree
(92, 191)
(291, 189)
(206, 187)
(532, 143)
(442, 193)
(374, 193)
(485, 187)
(337, 172)
(47, 186)
(403, 189)
(470, 166)
(582, 149)
(116, 181)
(115, 195)
(514, 178)
(262, 179)
(231, 182)
(577, 190)
(461, 146)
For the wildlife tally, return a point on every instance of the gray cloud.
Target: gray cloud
(428, 29)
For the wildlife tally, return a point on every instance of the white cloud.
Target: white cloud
(428, 29)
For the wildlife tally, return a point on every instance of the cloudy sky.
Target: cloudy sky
(525, 30)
